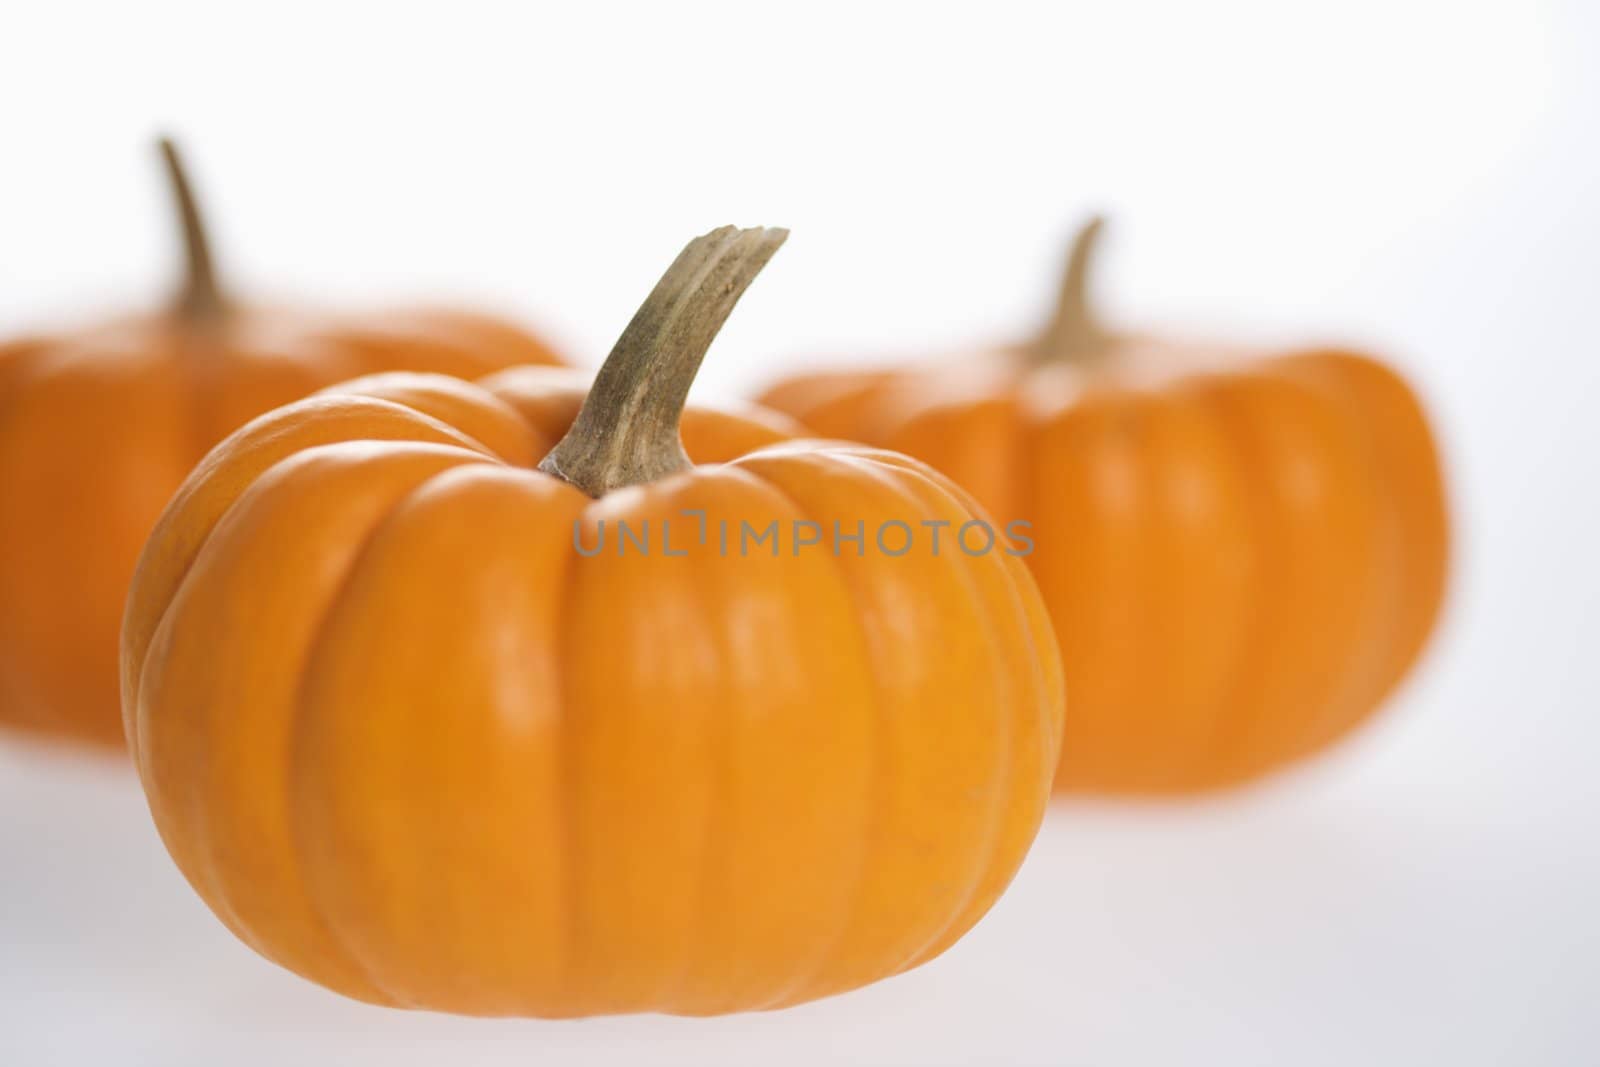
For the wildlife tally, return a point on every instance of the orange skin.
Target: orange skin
(408, 743)
(1242, 556)
(98, 429)
(100, 426)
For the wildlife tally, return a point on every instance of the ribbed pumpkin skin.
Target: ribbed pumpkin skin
(99, 428)
(1241, 561)
(408, 743)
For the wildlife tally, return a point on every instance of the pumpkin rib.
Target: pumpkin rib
(1026, 598)
(1134, 418)
(1016, 429)
(1025, 474)
(749, 744)
(63, 543)
(824, 980)
(571, 841)
(350, 752)
(316, 903)
(715, 830)
(889, 491)
(637, 771)
(1406, 469)
(296, 730)
(769, 713)
(1151, 597)
(218, 801)
(181, 841)
(1409, 435)
(547, 397)
(1140, 752)
(1231, 521)
(1268, 624)
(1020, 581)
(472, 412)
(922, 488)
(196, 509)
(805, 985)
(295, 727)
(1299, 655)
(1370, 616)
(716, 736)
(428, 791)
(1088, 564)
(1015, 570)
(1365, 664)
(1197, 605)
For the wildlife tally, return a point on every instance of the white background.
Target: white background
(1420, 177)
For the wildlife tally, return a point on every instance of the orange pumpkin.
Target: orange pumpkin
(1242, 552)
(99, 427)
(418, 730)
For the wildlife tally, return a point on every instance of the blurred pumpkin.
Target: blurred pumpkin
(1243, 552)
(412, 735)
(98, 428)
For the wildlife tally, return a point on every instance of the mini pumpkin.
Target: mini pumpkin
(419, 729)
(100, 426)
(1243, 552)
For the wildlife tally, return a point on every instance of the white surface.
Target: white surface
(1421, 176)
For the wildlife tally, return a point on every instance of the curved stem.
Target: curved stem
(626, 433)
(200, 296)
(1073, 332)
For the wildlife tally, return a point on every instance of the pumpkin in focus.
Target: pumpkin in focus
(98, 428)
(420, 722)
(1243, 552)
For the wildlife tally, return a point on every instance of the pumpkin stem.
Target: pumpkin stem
(200, 297)
(1073, 333)
(626, 433)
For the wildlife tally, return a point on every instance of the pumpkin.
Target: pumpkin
(100, 426)
(1243, 551)
(439, 723)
